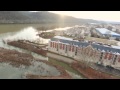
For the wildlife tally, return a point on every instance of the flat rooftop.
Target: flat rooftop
(104, 31)
(114, 49)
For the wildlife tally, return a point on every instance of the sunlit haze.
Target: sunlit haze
(97, 15)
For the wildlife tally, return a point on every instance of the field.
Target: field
(105, 41)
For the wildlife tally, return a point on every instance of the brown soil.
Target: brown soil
(17, 59)
(29, 47)
(89, 72)
(63, 73)
(92, 73)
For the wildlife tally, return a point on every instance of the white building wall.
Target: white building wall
(94, 54)
(87, 54)
(52, 49)
(102, 60)
(91, 56)
(106, 60)
(77, 53)
(97, 56)
(110, 61)
(114, 58)
(82, 54)
(60, 49)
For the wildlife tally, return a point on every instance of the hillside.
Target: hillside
(38, 17)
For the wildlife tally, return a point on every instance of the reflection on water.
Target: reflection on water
(28, 34)
(57, 29)
(7, 71)
(25, 34)
(38, 68)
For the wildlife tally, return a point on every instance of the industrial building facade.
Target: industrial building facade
(83, 51)
(105, 33)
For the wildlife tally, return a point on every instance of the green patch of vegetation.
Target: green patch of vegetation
(65, 66)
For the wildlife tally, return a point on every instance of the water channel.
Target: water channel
(28, 33)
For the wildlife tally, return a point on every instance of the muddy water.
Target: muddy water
(28, 33)
(9, 72)
(8, 35)
(38, 68)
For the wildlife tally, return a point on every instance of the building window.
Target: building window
(60, 46)
(101, 56)
(76, 50)
(50, 44)
(110, 56)
(53, 44)
(72, 48)
(115, 59)
(119, 59)
(63, 46)
(106, 55)
(57, 46)
(66, 49)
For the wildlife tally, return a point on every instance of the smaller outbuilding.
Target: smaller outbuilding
(105, 33)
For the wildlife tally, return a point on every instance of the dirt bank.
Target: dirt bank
(91, 73)
(16, 59)
(86, 70)
(29, 46)
(63, 75)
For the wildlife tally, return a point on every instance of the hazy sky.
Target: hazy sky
(98, 15)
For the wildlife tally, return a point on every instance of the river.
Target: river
(16, 31)
(22, 31)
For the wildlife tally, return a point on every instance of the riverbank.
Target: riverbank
(73, 72)
(88, 71)
(65, 62)
(15, 58)
(5, 28)
(84, 69)
(26, 61)
(29, 46)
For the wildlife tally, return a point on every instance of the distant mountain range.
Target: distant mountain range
(40, 17)
(113, 22)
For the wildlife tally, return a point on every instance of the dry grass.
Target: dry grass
(105, 41)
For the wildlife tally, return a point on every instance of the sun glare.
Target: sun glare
(62, 16)
(98, 15)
